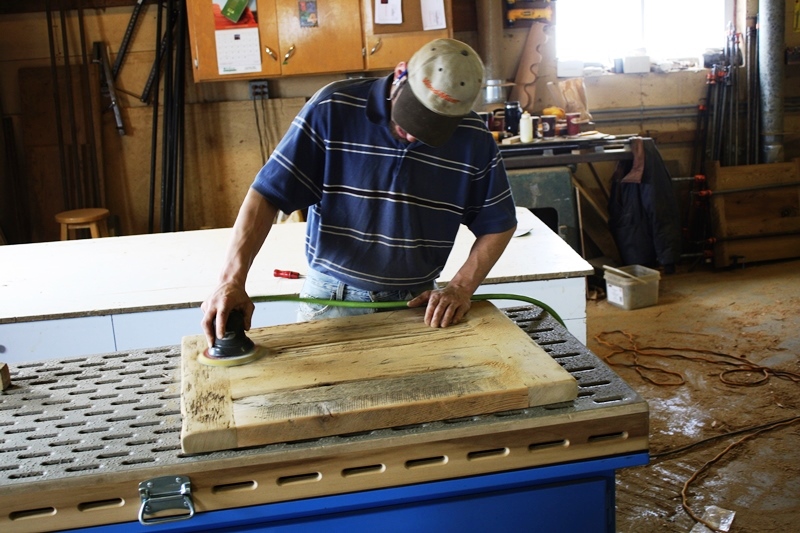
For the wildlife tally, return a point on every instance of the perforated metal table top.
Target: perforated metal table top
(120, 412)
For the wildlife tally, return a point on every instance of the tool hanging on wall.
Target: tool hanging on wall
(155, 70)
(172, 138)
(80, 172)
(126, 39)
(161, 46)
(92, 184)
(536, 15)
(68, 172)
(752, 146)
(719, 123)
(721, 135)
(734, 58)
(100, 56)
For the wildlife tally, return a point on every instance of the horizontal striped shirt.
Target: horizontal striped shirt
(383, 213)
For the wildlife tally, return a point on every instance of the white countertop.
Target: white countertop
(176, 270)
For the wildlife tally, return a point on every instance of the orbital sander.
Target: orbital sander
(234, 348)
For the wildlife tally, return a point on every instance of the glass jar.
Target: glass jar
(513, 112)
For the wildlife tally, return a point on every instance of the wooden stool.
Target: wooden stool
(93, 219)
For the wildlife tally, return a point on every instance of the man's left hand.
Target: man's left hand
(445, 306)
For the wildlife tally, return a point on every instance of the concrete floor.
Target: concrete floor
(706, 322)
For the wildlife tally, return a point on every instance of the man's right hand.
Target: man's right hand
(226, 298)
(249, 232)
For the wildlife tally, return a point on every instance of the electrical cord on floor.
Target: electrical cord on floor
(741, 367)
(687, 447)
(762, 429)
(402, 304)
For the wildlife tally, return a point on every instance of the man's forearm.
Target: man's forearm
(483, 255)
(253, 224)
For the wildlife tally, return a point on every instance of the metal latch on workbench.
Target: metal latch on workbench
(166, 493)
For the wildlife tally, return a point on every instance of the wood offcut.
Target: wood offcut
(5, 377)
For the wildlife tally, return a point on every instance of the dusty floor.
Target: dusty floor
(750, 315)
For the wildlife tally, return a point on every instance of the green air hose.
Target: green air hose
(401, 304)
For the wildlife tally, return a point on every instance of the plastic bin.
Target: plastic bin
(629, 293)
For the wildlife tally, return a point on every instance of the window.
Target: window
(595, 31)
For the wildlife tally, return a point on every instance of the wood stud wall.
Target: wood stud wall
(220, 117)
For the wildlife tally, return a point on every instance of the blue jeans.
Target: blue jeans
(319, 285)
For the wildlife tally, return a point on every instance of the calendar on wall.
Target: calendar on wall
(238, 46)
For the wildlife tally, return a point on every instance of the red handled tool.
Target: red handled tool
(285, 274)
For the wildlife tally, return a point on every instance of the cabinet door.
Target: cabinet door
(388, 44)
(327, 40)
(204, 21)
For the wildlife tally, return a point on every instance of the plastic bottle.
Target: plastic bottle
(526, 128)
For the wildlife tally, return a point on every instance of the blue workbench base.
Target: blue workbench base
(576, 496)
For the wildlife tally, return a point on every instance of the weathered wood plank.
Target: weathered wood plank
(755, 212)
(361, 373)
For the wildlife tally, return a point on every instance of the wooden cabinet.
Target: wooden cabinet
(388, 44)
(204, 18)
(330, 41)
(332, 46)
(341, 37)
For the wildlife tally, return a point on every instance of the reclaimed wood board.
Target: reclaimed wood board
(354, 374)
(755, 212)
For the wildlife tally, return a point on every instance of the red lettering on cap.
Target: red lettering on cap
(441, 94)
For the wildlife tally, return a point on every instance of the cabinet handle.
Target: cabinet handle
(288, 54)
(271, 53)
(376, 47)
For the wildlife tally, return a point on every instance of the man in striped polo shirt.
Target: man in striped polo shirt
(388, 168)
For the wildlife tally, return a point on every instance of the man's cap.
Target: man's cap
(444, 79)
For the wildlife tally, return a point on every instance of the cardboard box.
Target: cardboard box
(569, 69)
(636, 64)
